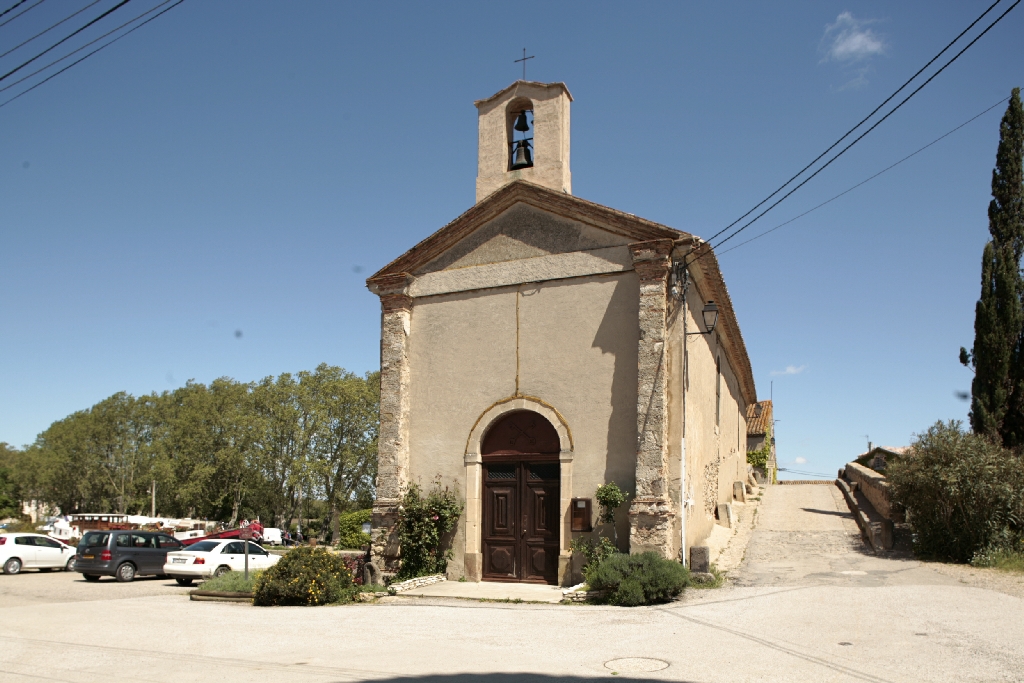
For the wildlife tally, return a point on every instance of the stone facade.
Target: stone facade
(539, 301)
(650, 512)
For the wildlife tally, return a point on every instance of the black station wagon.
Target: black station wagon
(123, 554)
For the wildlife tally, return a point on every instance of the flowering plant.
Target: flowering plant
(424, 526)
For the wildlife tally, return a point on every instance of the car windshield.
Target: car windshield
(93, 539)
(203, 546)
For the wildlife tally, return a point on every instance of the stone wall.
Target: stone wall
(875, 489)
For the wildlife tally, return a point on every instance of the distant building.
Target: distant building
(760, 430)
(878, 457)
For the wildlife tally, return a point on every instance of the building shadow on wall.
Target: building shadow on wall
(621, 341)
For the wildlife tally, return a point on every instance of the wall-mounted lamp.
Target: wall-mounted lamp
(710, 314)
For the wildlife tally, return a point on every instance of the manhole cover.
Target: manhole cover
(636, 664)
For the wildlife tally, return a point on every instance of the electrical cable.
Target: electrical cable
(36, 4)
(49, 29)
(77, 50)
(859, 124)
(77, 61)
(68, 37)
(13, 7)
(805, 474)
(867, 180)
(859, 138)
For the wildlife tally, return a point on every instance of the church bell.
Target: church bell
(521, 124)
(523, 158)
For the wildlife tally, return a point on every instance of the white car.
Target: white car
(204, 559)
(34, 551)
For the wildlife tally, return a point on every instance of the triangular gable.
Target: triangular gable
(523, 231)
(580, 225)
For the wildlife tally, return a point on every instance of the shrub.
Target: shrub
(423, 525)
(963, 492)
(232, 582)
(593, 551)
(1006, 559)
(305, 576)
(638, 579)
(350, 528)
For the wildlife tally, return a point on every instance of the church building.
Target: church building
(541, 345)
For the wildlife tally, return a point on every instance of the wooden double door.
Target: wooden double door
(521, 520)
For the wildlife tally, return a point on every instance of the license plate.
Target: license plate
(88, 557)
(178, 560)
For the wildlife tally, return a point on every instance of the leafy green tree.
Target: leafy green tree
(345, 453)
(9, 499)
(997, 404)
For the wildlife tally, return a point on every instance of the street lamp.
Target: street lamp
(710, 314)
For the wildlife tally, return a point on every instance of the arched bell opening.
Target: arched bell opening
(519, 129)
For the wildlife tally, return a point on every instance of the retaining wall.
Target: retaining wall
(875, 488)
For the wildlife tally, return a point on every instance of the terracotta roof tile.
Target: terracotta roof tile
(759, 417)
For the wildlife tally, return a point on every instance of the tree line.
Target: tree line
(283, 448)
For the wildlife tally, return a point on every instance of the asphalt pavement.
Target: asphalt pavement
(795, 610)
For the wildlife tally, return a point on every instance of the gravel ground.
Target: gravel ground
(35, 588)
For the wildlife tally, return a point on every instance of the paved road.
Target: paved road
(805, 535)
(790, 615)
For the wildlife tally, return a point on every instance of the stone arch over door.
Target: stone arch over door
(474, 460)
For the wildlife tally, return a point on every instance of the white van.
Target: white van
(272, 536)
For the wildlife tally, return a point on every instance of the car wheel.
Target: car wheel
(221, 571)
(91, 577)
(183, 581)
(126, 572)
(70, 566)
(12, 566)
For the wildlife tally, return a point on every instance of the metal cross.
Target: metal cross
(523, 60)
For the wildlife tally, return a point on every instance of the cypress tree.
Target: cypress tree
(997, 401)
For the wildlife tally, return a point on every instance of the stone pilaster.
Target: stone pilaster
(650, 513)
(393, 439)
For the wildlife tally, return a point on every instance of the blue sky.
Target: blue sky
(243, 167)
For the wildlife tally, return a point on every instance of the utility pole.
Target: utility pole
(152, 509)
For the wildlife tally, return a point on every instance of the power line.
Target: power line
(875, 125)
(805, 474)
(49, 29)
(867, 180)
(859, 124)
(77, 50)
(77, 61)
(859, 138)
(35, 4)
(75, 33)
(12, 7)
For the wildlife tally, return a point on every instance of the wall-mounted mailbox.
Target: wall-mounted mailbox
(581, 515)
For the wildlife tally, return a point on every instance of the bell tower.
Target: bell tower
(524, 135)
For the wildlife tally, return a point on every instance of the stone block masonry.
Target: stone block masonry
(875, 488)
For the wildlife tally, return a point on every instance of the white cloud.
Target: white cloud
(790, 370)
(801, 461)
(849, 40)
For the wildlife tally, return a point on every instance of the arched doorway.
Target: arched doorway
(521, 483)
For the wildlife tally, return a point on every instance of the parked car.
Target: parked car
(34, 551)
(123, 554)
(215, 558)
